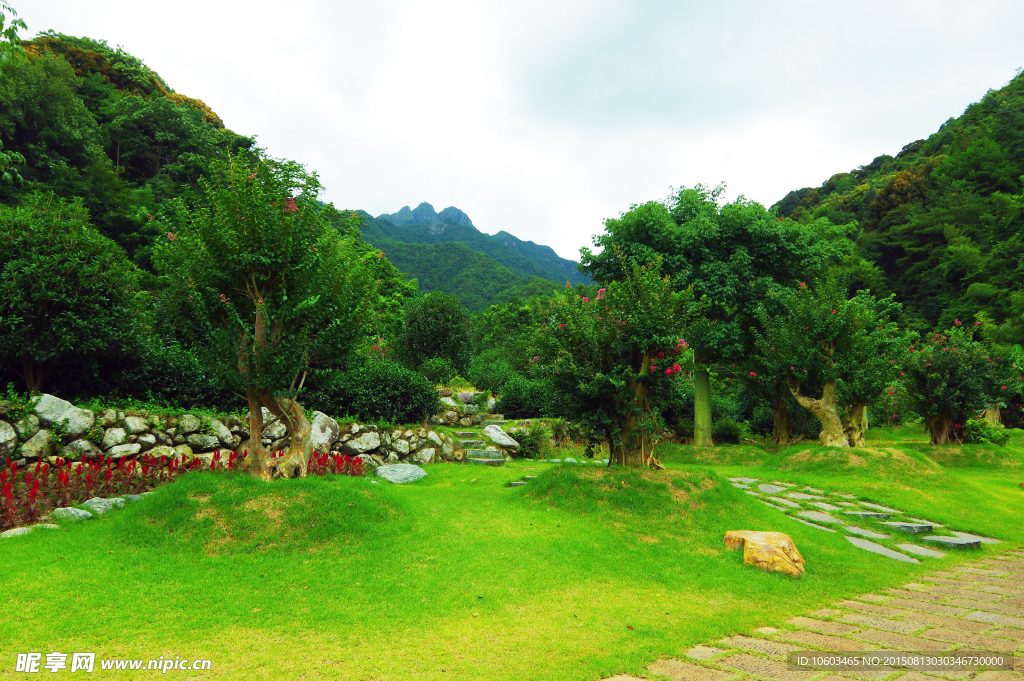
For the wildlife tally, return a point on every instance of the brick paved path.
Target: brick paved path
(974, 607)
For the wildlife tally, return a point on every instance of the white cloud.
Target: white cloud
(542, 118)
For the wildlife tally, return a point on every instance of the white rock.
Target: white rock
(113, 437)
(80, 448)
(49, 409)
(425, 455)
(121, 451)
(202, 441)
(136, 425)
(108, 418)
(325, 432)
(435, 438)
(70, 514)
(16, 532)
(222, 433)
(401, 473)
(147, 440)
(188, 423)
(162, 450)
(449, 401)
(400, 446)
(100, 506)
(366, 442)
(40, 445)
(495, 434)
(8, 439)
(28, 426)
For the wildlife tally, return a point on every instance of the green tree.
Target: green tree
(10, 44)
(735, 256)
(66, 291)
(436, 326)
(267, 289)
(611, 359)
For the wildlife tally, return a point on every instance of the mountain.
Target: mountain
(941, 224)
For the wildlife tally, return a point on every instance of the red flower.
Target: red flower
(958, 322)
(752, 373)
(676, 367)
(668, 372)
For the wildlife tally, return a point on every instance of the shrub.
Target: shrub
(983, 432)
(560, 430)
(491, 371)
(727, 431)
(524, 398)
(436, 325)
(380, 390)
(531, 439)
(439, 370)
(459, 383)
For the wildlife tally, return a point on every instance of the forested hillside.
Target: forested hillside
(942, 221)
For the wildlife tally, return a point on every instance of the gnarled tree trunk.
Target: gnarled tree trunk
(855, 423)
(295, 461)
(781, 426)
(701, 400)
(633, 446)
(941, 430)
(825, 409)
(992, 414)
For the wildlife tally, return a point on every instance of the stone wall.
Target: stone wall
(56, 427)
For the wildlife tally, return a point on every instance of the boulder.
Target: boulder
(466, 422)
(768, 551)
(471, 409)
(50, 409)
(448, 448)
(325, 432)
(499, 437)
(122, 451)
(401, 447)
(202, 442)
(425, 455)
(222, 433)
(131, 498)
(183, 451)
(400, 473)
(8, 439)
(467, 397)
(393, 458)
(147, 440)
(101, 506)
(113, 437)
(435, 438)
(162, 450)
(136, 425)
(492, 404)
(366, 442)
(40, 445)
(187, 423)
(28, 426)
(80, 448)
(70, 514)
(16, 532)
(449, 401)
(108, 418)
(57, 412)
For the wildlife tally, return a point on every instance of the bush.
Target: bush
(459, 383)
(524, 398)
(727, 431)
(491, 371)
(439, 370)
(436, 325)
(380, 390)
(983, 432)
(531, 439)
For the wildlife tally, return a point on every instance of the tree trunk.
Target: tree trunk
(940, 429)
(634, 447)
(701, 400)
(781, 427)
(855, 423)
(992, 414)
(825, 409)
(33, 373)
(295, 461)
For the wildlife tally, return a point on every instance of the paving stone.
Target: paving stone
(820, 527)
(886, 624)
(996, 618)
(802, 496)
(983, 540)
(740, 485)
(1016, 602)
(865, 533)
(822, 627)
(824, 506)
(891, 639)
(777, 508)
(847, 504)
(760, 645)
(624, 677)
(846, 496)
(999, 675)
(771, 489)
(1015, 634)
(745, 481)
(873, 598)
(876, 507)
(985, 605)
(954, 542)
(921, 551)
(909, 528)
(752, 493)
(1000, 645)
(923, 606)
(881, 550)
(867, 514)
(965, 593)
(822, 641)
(818, 516)
(982, 571)
(703, 652)
(872, 608)
(767, 630)
(811, 489)
(686, 671)
(764, 668)
(784, 484)
(827, 612)
(945, 622)
(917, 676)
(916, 595)
(981, 579)
(784, 502)
(925, 522)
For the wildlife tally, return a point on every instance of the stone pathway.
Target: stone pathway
(973, 607)
(871, 523)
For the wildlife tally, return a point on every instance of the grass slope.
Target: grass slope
(581, 574)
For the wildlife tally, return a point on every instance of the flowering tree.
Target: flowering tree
(835, 354)
(267, 290)
(947, 374)
(611, 358)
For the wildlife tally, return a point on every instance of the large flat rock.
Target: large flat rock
(876, 507)
(867, 514)
(784, 502)
(920, 551)
(818, 517)
(401, 473)
(865, 533)
(803, 497)
(909, 528)
(880, 550)
(771, 489)
(955, 542)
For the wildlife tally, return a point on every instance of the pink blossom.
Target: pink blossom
(752, 373)
(901, 373)
(676, 368)
(958, 322)
(586, 300)
(891, 392)
(1003, 388)
(977, 323)
(668, 372)
(803, 285)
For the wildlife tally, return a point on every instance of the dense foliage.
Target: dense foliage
(436, 326)
(379, 390)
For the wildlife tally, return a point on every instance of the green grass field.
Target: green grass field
(581, 574)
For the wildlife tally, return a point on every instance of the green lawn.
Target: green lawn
(581, 574)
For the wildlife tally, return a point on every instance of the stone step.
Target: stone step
(472, 444)
(487, 462)
(518, 483)
(485, 454)
(495, 422)
(466, 434)
(497, 417)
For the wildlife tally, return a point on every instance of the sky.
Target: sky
(543, 118)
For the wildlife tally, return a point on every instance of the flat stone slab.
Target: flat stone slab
(884, 623)
(777, 508)
(846, 496)
(472, 444)
(687, 671)
(16, 532)
(994, 618)
(867, 514)
(784, 484)
(745, 481)
(466, 434)
(101, 506)
(909, 528)
(955, 542)
(802, 496)
(847, 504)
(760, 645)
(703, 652)
(486, 462)
(132, 498)
(925, 522)
(974, 537)
(920, 551)
(752, 493)
(880, 550)
(865, 533)
(878, 508)
(818, 516)
(775, 670)
(401, 473)
(529, 477)
(823, 626)
(820, 527)
(811, 489)
(44, 526)
(824, 506)
(771, 489)
(784, 502)
(66, 513)
(740, 485)
(517, 483)
(486, 454)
